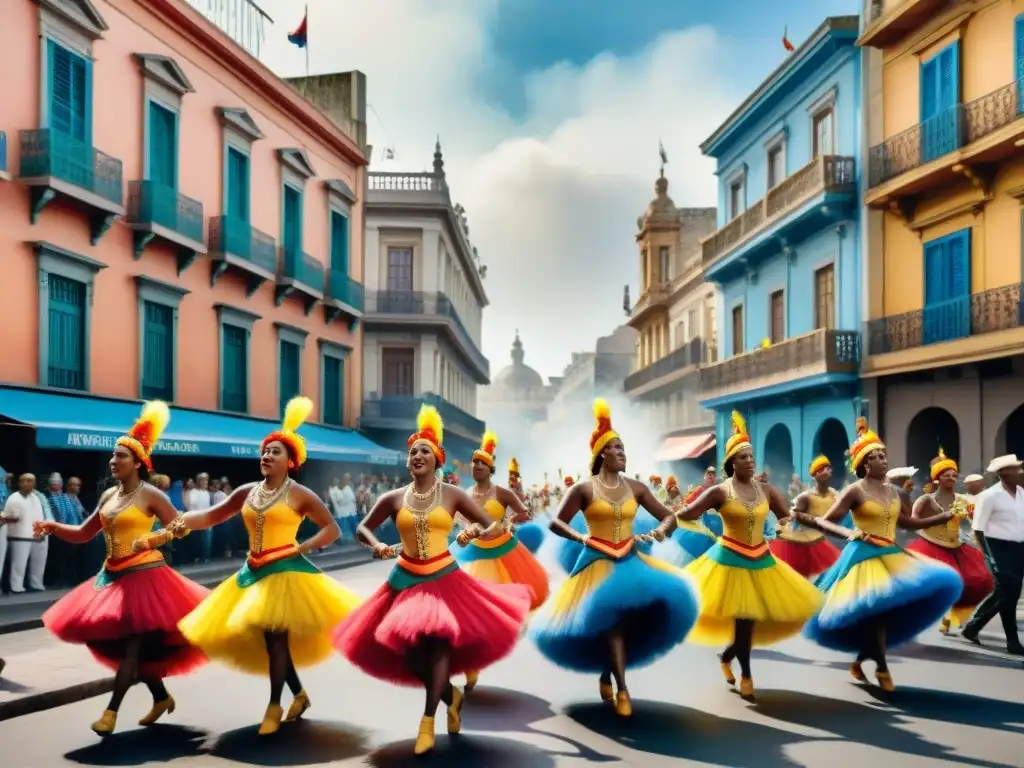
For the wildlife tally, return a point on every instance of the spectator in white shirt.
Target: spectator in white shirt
(199, 498)
(999, 528)
(343, 504)
(27, 552)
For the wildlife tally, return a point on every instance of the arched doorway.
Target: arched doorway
(929, 430)
(778, 455)
(832, 441)
(1010, 437)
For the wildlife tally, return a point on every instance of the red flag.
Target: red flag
(785, 41)
(300, 36)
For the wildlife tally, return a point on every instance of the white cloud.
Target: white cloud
(552, 198)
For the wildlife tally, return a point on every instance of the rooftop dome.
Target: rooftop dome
(518, 376)
(662, 209)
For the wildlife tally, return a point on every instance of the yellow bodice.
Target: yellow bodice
(424, 534)
(945, 534)
(818, 505)
(494, 509)
(878, 518)
(610, 522)
(121, 528)
(273, 528)
(743, 521)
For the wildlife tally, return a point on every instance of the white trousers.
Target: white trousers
(3, 549)
(27, 556)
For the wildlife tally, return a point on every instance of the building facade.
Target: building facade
(178, 224)
(424, 311)
(600, 373)
(785, 257)
(674, 316)
(945, 188)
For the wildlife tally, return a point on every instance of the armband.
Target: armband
(177, 528)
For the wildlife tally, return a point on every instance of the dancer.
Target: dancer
(691, 539)
(804, 549)
(128, 615)
(876, 595)
(618, 609)
(748, 598)
(431, 620)
(943, 542)
(499, 558)
(274, 615)
(531, 535)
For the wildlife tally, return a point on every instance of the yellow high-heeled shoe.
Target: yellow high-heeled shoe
(857, 672)
(623, 705)
(945, 625)
(455, 711)
(298, 707)
(271, 720)
(730, 678)
(158, 710)
(471, 680)
(747, 688)
(606, 690)
(106, 724)
(885, 681)
(425, 736)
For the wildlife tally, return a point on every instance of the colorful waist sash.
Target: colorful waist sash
(737, 554)
(410, 571)
(940, 541)
(614, 550)
(116, 567)
(489, 549)
(878, 541)
(259, 565)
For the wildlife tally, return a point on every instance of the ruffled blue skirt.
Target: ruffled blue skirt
(531, 535)
(871, 582)
(653, 603)
(569, 552)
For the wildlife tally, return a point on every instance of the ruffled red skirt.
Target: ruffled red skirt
(806, 559)
(481, 623)
(148, 602)
(969, 562)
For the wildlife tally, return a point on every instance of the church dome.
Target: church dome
(662, 209)
(518, 376)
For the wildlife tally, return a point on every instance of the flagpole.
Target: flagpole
(307, 39)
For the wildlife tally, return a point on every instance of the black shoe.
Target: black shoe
(971, 637)
(1015, 650)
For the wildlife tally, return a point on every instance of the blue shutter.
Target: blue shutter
(339, 242)
(958, 248)
(70, 87)
(157, 352)
(292, 219)
(288, 374)
(66, 315)
(238, 185)
(935, 271)
(1018, 50)
(334, 391)
(929, 89)
(163, 146)
(947, 310)
(234, 369)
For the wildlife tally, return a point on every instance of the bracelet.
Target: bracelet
(177, 529)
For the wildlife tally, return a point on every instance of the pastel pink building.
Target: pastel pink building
(176, 222)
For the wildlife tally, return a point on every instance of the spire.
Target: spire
(661, 186)
(438, 158)
(517, 350)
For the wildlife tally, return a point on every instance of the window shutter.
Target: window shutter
(59, 61)
(934, 272)
(958, 248)
(158, 352)
(949, 76)
(339, 243)
(929, 89)
(238, 185)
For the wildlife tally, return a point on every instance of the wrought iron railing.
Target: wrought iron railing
(380, 181)
(343, 288)
(241, 20)
(406, 407)
(239, 238)
(997, 309)
(45, 152)
(828, 173)
(694, 352)
(837, 351)
(302, 268)
(152, 203)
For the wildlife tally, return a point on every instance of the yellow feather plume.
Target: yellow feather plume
(296, 413)
(942, 454)
(513, 466)
(157, 415)
(602, 410)
(489, 442)
(739, 424)
(430, 419)
(862, 425)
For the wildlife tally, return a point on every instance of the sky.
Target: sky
(550, 113)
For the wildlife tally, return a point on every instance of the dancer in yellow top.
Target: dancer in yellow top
(275, 615)
(805, 549)
(748, 598)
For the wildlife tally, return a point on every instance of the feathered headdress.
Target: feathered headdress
(740, 437)
(485, 452)
(295, 415)
(430, 432)
(671, 482)
(603, 432)
(865, 442)
(941, 464)
(819, 464)
(568, 481)
(145, 432)
(513, 467)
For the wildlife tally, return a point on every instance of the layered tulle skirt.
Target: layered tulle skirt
(531, 535)
(688, 541)
(736, 581)
(504, 560)
(569, 551)
(809, 558)
(148, 602)
(874, 581)
(289, 595)
(653, 603)
(480, 622)
(969, 562)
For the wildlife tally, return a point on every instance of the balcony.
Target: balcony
(399, 411)
(675, 366)
(820, 357)
(417, 311)
(965, 139)
(4, 173)
(799, 206)
(344, 296)
(240, 247)
(156, 212)
(887, 26)
(650, 303)
(301, 275)
(982, 325)
(54, 164)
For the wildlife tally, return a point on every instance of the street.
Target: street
(955, 705)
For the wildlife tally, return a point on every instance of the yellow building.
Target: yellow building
(944, 189)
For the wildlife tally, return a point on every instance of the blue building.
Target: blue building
(786, 257)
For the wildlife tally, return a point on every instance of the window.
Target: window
(398, 368)
(291, 235)
(737, 330)
(237, 185)
(240, 132)
(162, 136)
(680, 334)
(67, 333)
(664, 264)
(158, 337)
(940, 94)
(947, 287)
(70, 94)
(289, 361)
(824, 133)
(778, 317)
(334, 390)
(825, 297)
(735, 199)
(776, 166)
(339, 242)
(235, 331)
(691, 323)
(400, 269)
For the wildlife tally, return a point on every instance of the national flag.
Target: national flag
(785, 38)
(662, 153)
(389, 154)
(299, 36)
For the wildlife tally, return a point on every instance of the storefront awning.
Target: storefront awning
(68, 422)
(685, 446)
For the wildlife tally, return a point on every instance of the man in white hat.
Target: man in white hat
(973, 485)
(999, 528)
(899, 477)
